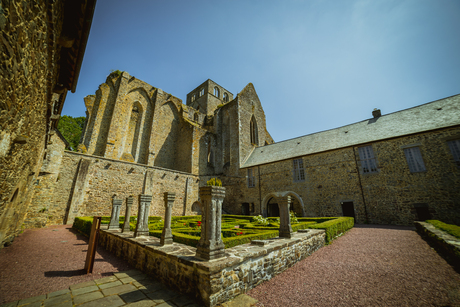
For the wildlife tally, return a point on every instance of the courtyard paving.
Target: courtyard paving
(368, 266)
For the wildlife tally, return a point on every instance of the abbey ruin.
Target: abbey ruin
(390, 169)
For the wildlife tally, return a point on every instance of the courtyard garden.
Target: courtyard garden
(236, 229)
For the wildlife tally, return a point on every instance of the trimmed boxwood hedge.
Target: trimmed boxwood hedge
(83, 225)
(251, 231)
(451, 229)
(335, 227)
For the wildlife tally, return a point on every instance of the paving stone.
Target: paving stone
(129, 273)
(84, 290)
(110, 284)
(63, 304)
(127, 280)
(241, 300)
(57, 293)
(162, 296)
(12, 304)
(34, 304)
(58, 300)
(183, 300)
(109, 301)
(166, 304)
(105, 280)
(118, 289)
(83, 285)
(87, 297)
(143, 303)
(152, 287)
(32, 299)
(133, 296)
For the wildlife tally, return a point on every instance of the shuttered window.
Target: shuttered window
(455, 150)
(414, 159)
(251, 178)
(367, 159)
(299, 172)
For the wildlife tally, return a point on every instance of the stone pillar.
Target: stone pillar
(142, 226)
(129, 203)
(210, 246)
(166, 235)
(115, 218)
(285, 221)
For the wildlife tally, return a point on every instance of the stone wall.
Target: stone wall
(28, 54)
(243, 268)
(88, 191)
(44, 208)
(389, 196)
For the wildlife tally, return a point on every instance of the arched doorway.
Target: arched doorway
(269, 201)
(273, 208)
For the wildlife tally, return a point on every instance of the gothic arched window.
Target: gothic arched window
(216, 92)
(254, 132)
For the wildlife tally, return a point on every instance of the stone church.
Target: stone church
(138, 139)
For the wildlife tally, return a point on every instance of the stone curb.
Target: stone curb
(440, 238)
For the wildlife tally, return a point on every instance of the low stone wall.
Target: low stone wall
(215, 282)
(442, 239)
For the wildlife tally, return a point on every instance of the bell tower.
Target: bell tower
(208, 96)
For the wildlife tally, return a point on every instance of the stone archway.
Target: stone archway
(196, 208)
(298, 205)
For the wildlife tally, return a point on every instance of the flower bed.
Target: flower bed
(236, 229)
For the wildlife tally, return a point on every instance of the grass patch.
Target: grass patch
(451, 229)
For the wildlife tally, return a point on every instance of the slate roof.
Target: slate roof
(433, 115)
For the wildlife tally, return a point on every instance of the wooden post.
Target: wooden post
(92, 245)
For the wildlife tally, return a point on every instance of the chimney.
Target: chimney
(376, 113)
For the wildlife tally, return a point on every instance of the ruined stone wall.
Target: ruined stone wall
(107, 177)
(250, 108)
(28, 54)
(335, 176)
(43, 209)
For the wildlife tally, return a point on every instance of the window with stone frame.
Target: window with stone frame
(254, 131)
(225, 97)
(367, 160)
(454, 146)
(216, 92)
(298, 171)
(251, 178)
(414, 159)
(201, 92)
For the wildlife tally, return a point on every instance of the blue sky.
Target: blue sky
(316, 65)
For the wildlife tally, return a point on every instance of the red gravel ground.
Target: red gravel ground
(368, 266)
(49, 259)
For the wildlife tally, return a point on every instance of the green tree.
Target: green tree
(71, 129)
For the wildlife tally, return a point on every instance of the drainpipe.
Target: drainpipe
(260, 193)
(360, 185)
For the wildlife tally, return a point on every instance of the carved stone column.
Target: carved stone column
(142, 226)
(285, 221)
(115, 218)
(210, 246)
(166, 235)
(129, 203)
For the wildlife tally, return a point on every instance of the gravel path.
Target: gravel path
(50, 259)
(368, 266)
